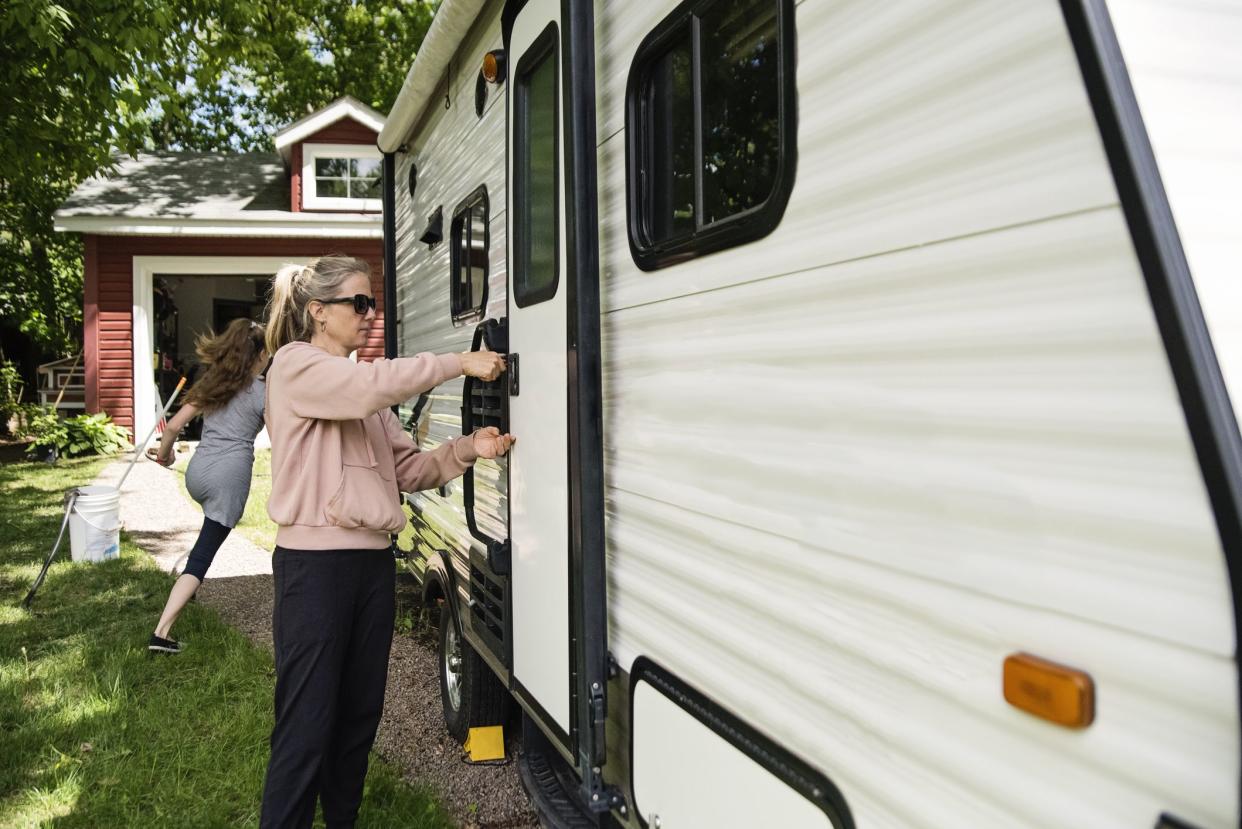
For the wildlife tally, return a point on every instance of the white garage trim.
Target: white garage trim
(145, 269)
(288, 225)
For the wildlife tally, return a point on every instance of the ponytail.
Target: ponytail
(295, 287)
(283, 325)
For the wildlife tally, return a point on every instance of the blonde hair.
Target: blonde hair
(296, 286)
(229, 359)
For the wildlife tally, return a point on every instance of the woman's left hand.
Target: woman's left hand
(489, 443)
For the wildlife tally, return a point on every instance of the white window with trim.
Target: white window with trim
(341, 177)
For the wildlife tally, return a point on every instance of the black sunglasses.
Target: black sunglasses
(361, 302)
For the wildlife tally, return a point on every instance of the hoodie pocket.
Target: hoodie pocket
(364, 501)
(356, 449)
(379, 448)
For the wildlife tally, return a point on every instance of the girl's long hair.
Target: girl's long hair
(293, 289)
(229, 360)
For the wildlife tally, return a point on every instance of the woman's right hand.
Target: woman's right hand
(485, 365)
(167, 460)
(490, 443)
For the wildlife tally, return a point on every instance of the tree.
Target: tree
(87, 80)
(76, 77)
(260, 67)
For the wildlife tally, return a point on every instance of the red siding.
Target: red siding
(344, 131)
(108, 297)
(110, 373)
(90, 318)
(295, 179)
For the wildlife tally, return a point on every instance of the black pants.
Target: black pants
(210, 537)
(332, 626)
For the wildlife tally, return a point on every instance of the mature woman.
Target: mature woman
(339, 458)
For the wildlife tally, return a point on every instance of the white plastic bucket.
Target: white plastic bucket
(95, 524)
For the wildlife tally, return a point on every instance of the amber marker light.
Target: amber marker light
(494, 66)
(1052, 692)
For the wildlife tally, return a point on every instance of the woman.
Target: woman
(339, 458)
(230, 396)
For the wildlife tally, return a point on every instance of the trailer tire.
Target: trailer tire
(471, 695)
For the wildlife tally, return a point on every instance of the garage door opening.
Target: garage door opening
(188, 306)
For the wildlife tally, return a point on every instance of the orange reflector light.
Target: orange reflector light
(494, 66)
(1049, 691)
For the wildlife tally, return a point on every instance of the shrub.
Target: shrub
(49, 432)
(95, 434)
(19, 418)
(11, 383)
(86, 434)
(11, 407)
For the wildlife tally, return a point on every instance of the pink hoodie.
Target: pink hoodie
(338, 453)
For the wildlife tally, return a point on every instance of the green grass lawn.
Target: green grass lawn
(254, 523)
(96, 733)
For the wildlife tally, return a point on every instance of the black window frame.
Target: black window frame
(746, 226)
(461, 222)
(544, 47)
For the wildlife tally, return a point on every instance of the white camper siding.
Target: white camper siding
(962, 492)
(455, 152)
(1185, 63)
(919, 121)
(926, 423)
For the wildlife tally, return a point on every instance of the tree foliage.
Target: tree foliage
(259, 67)
(77, 76)
(87, 80)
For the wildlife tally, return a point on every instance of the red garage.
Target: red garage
(181, 242)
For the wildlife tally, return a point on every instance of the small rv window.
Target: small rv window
(468, 267)
(536, 204)
(710, 123)
(671, 104)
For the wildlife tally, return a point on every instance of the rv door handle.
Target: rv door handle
(511, 366)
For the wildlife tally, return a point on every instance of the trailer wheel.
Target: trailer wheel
(470, 693)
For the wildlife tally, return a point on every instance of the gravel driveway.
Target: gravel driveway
(239, 587)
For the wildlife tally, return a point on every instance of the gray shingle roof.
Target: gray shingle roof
(190, 185)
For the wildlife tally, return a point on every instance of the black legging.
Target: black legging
(210, 537)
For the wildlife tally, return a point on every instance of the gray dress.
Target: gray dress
(218, 476)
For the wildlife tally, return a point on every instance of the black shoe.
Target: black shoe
(160, 645)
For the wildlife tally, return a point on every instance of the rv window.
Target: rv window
(468, 266)
(671, 104)
(535, 172)
(710, 125)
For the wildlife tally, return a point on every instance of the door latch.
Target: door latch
(511, 367)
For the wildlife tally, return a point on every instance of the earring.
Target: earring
(323, 326)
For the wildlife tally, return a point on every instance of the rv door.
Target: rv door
(556, 480)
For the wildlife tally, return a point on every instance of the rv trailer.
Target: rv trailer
(870, 365)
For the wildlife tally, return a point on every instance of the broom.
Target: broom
(138, 448)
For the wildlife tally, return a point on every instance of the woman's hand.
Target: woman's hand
(485, 365)
(489, 443)
(154, 455)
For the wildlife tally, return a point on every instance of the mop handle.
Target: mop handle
(138, 448)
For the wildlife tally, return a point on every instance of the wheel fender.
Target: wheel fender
(439, 582)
